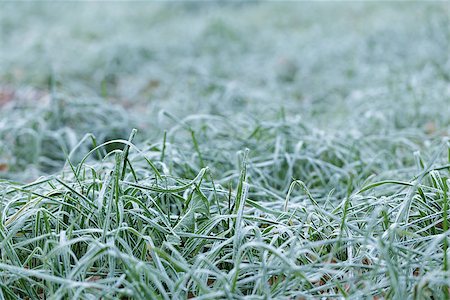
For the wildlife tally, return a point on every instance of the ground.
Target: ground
(283, 150)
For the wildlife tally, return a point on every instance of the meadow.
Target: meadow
(248, 150)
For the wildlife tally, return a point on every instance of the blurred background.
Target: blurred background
(70, 68)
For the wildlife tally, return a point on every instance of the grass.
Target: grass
(337, 189)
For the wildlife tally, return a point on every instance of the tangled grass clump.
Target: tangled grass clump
(37, 135)
(130, 226)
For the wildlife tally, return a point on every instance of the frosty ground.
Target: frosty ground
(283, 150)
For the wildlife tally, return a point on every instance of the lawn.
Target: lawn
(257, 150)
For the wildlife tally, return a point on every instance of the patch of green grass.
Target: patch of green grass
(135, 226)
(281, 151)
(37, 138)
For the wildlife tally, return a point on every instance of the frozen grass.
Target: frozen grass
(311, 160)
(37, 137)
(152, 223)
